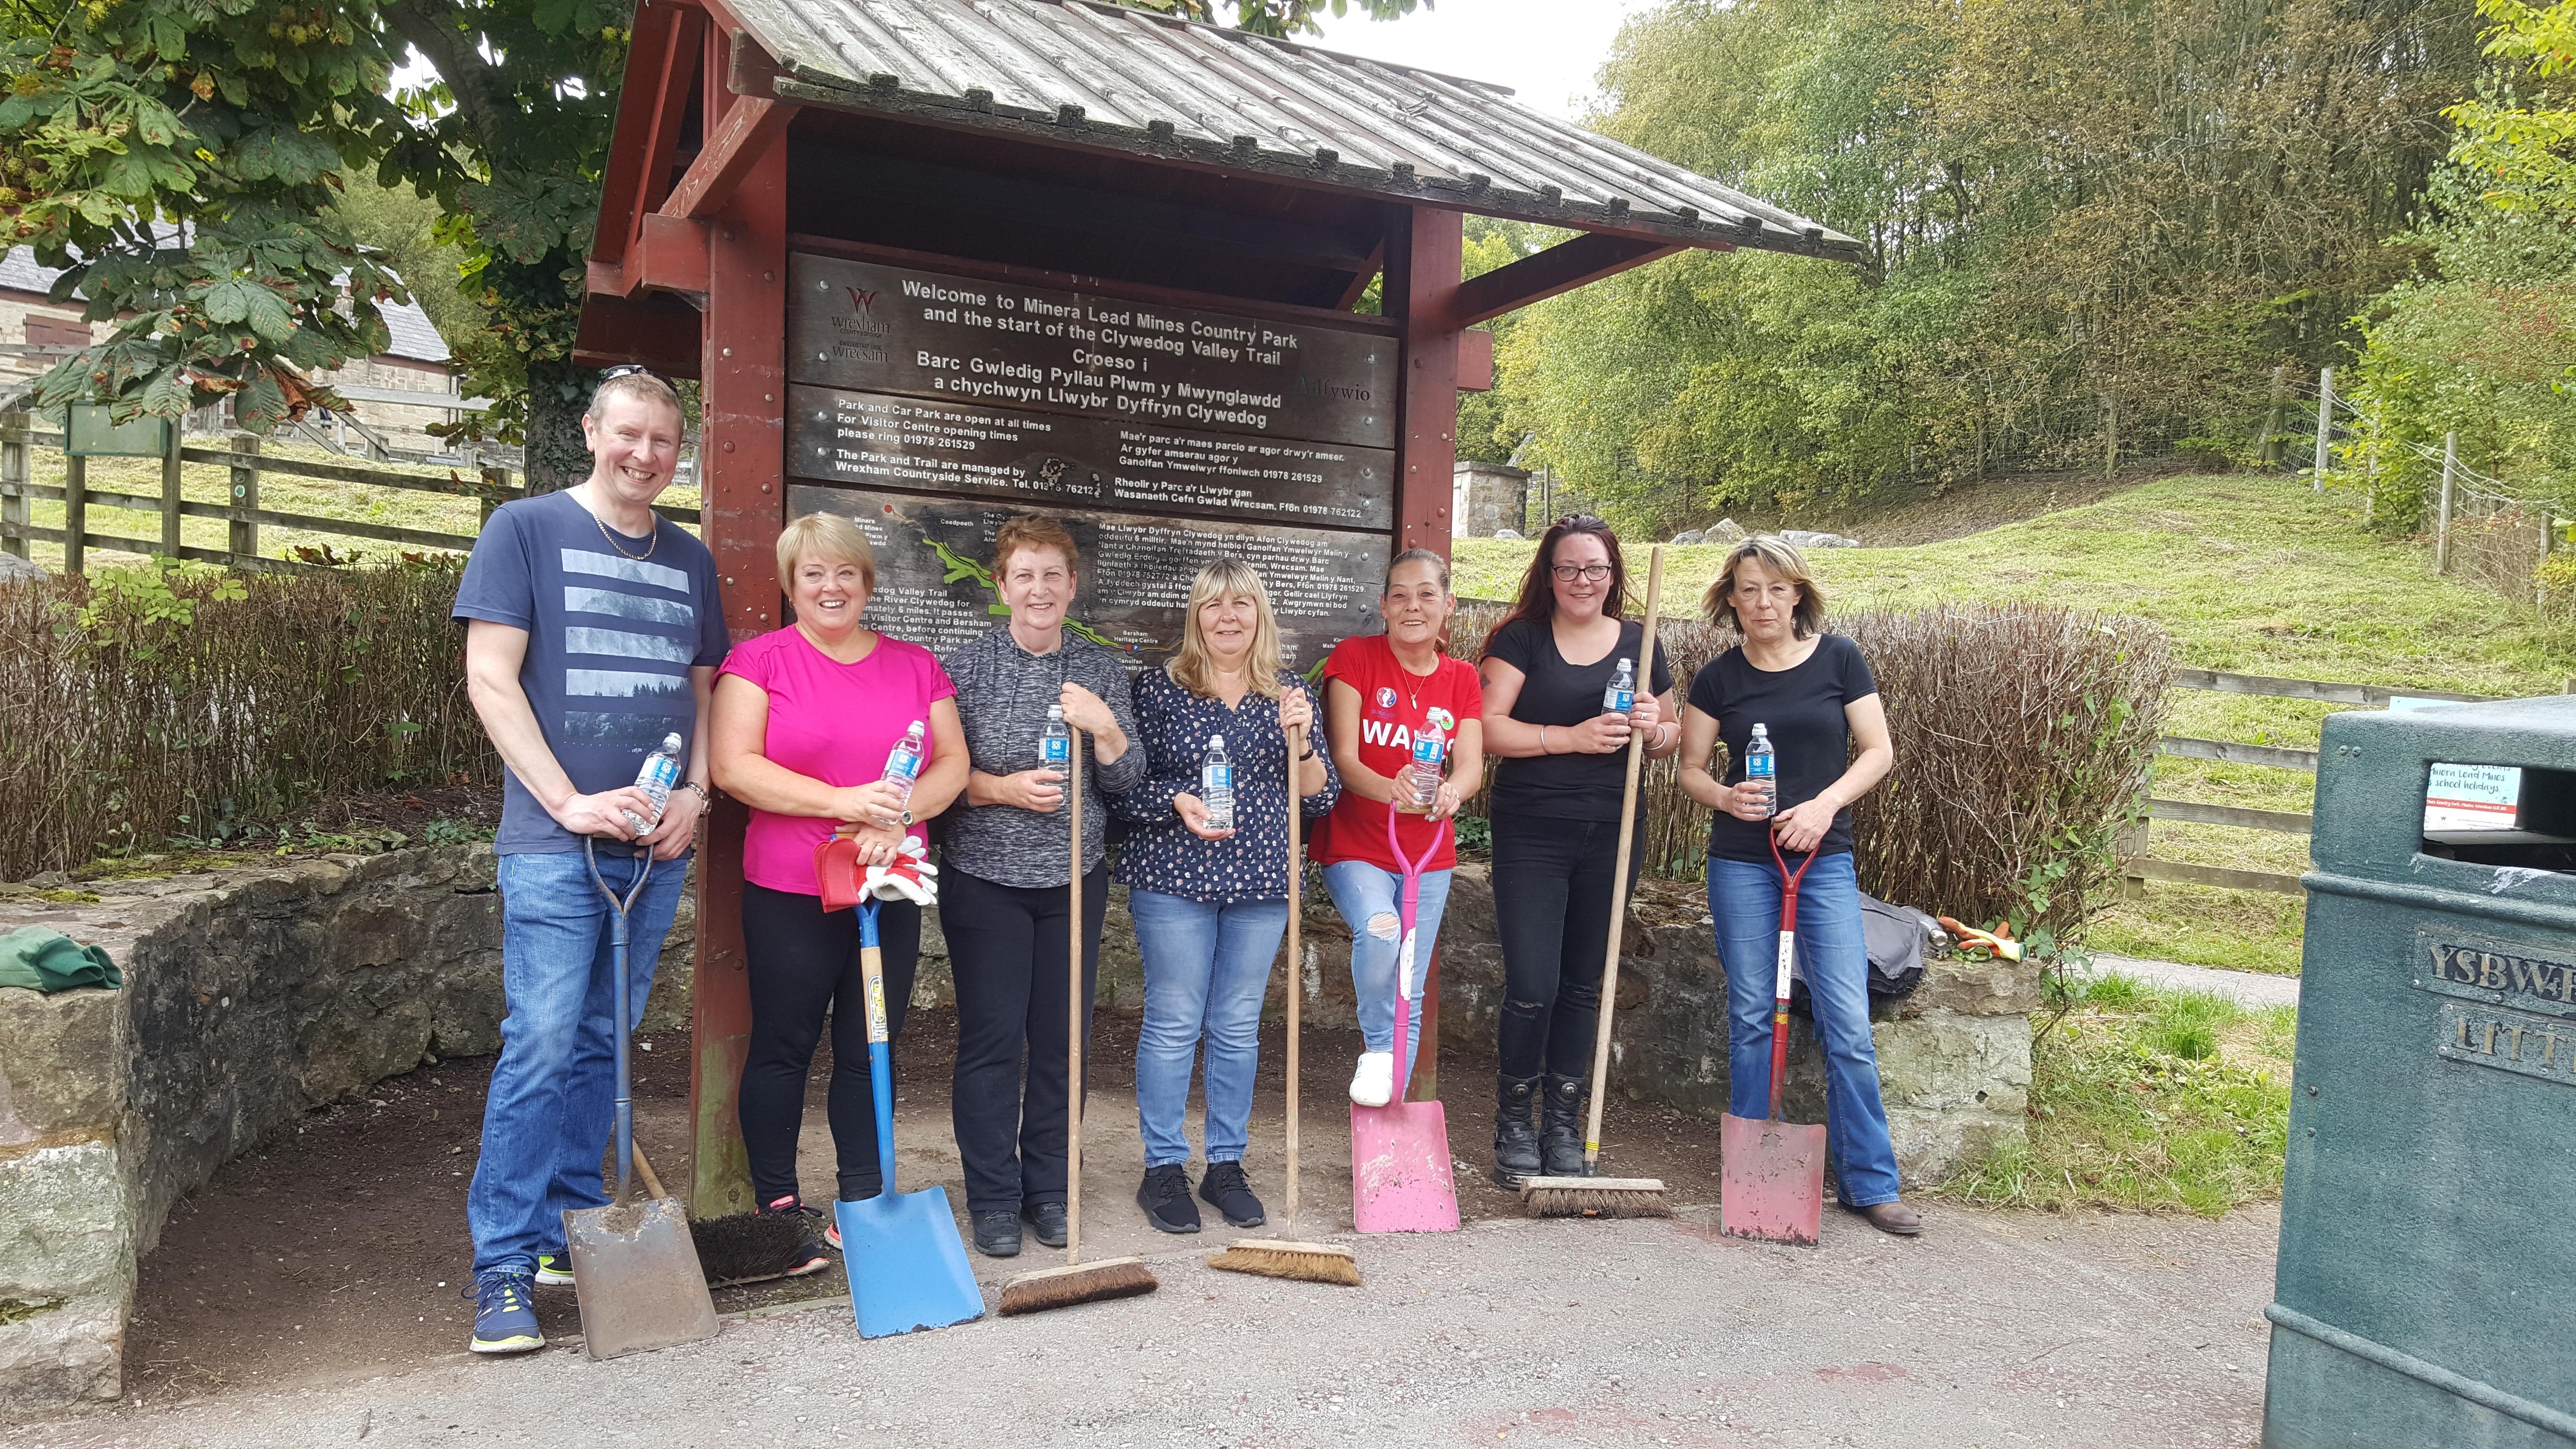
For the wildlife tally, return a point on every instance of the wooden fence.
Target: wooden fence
(2138, 867)
(241, 512)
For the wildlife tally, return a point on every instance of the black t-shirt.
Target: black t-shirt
(1810, 735)
(1553, 692)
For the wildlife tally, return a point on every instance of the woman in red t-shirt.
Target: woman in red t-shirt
(1382, 694)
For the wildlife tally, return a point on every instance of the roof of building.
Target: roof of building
(413, 338)
(1101, 75)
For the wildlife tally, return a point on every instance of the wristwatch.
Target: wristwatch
(907, 818)
(703, 797)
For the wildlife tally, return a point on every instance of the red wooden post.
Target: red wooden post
(1423, 259)
(741, 443)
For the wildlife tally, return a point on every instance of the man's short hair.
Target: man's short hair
(640, 385)
(1033, 530)
(826, 536)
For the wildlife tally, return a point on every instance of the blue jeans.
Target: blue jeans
(552, 1103)
(1833, 956)
(1366, 893)
(1207, 968)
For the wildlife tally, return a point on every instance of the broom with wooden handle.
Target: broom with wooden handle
(1287, 1257)
(1077, 1281)
(1589, 1196)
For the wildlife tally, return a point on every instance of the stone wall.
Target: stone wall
(251, 996)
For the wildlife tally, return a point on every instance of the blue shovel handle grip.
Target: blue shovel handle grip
(880, 1058)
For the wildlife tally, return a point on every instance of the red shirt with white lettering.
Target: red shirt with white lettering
(1395, 705)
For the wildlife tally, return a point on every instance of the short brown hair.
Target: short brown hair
(1782, 558)
(640, 385)
(1033, 530)
(830, 536)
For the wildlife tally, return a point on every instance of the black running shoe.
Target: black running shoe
(1165, 1197)
(813, 1259)
(1046, 1222)
(997, 1232)
(1225, 1190)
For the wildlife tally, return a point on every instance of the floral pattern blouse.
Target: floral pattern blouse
(1161, 855)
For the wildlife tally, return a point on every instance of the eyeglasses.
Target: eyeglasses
(627, 369)
(1589, 573)
(1579, 520)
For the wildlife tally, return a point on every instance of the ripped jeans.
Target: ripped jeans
(1371, 900)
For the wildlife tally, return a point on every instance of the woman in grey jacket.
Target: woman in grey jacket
(1006, 861)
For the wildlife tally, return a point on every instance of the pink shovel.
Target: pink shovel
(1400, 1179)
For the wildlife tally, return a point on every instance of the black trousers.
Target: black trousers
(1007, 948)
(1552, 891)
(804, 962)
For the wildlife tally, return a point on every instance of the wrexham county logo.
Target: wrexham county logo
(864, 302)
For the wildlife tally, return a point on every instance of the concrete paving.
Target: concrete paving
(2248, 988)
(1993, 1329)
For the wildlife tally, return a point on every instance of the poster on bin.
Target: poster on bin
(2465, 797)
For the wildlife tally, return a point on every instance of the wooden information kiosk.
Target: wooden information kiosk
(938, 262)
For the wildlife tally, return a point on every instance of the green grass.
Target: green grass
(2249, 573)
(2148, 1100)
(278, 493)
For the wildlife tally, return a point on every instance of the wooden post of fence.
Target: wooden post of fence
(171, 497)
(2325, 424)
(244, 541)
(2268, 451)
(75, 511)
(13, 481)
(2442, 521)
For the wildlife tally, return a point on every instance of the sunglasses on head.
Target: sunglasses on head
(628, 369)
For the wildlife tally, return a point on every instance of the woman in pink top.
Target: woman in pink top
(804, 720)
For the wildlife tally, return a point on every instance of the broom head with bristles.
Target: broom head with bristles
(1088, 1283)
(749, 1247)
(1595, 1197)
(1280, 1258)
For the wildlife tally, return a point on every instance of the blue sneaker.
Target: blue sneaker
(554, 1270)
(505, 1319)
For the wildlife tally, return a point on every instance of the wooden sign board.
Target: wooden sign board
(931, 408)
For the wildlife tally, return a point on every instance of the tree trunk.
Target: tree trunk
(558, 394)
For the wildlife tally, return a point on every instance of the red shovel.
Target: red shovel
(1400, 1177)
(1772, 1183)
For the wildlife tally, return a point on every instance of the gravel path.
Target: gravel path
(2250, 988)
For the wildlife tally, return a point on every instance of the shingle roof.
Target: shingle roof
(1100, 75)
(413, 338)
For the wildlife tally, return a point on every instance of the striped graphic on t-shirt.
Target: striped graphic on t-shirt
(625, 687)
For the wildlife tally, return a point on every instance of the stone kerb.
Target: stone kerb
(253, 994)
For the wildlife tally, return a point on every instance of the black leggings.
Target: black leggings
(1006, 945)
(1552, 894)
(804, 961)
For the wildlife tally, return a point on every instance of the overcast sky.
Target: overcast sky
(1546, 50)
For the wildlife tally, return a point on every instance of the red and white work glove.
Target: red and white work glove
(911, 878)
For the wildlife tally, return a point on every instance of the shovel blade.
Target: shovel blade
(636, 1274)
(1400, 1178)
(906, 1264)
(1772, 1186)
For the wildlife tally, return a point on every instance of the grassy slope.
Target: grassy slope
(2252, 573)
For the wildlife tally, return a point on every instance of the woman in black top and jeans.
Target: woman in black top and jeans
(1555, 811)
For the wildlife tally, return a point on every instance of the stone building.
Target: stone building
(1486, 497)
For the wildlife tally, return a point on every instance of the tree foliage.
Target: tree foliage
(1276, 17)
(2526, 153)
(2092, 228)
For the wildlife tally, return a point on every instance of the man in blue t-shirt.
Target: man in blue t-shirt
(592, 634)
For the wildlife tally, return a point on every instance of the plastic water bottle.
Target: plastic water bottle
(1055, 744)
(661, 771)
(1419, 788)
(1216, 784)
(903, 764)
(1760, 768)
(1621, 696)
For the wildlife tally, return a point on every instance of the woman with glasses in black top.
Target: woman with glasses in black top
(1547, 670)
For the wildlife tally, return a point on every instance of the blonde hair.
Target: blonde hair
(827, 535)
(1033, 530)
(1783, 560)
(1193, 668)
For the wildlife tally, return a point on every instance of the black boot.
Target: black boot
(1515, 1145)
(1560, 1133)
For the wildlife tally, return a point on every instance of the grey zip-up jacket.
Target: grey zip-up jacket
(1002, 696)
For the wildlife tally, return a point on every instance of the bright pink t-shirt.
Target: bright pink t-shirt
(831, 722)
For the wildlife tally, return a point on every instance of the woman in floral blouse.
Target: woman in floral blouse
(1211, 905)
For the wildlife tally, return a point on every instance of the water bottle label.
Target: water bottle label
(663, 771)
(1057, 750)
(1618, 701)
(1220, 777)
(904, 766)
(1759, 767)
(1429, 749)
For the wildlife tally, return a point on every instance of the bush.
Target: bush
(159, 701)
(2023, 734)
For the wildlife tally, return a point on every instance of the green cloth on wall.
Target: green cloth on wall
(49, 961)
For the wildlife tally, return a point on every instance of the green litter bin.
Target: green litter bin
(2426, 1295)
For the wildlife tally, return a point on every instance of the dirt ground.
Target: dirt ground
(340, 1249)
